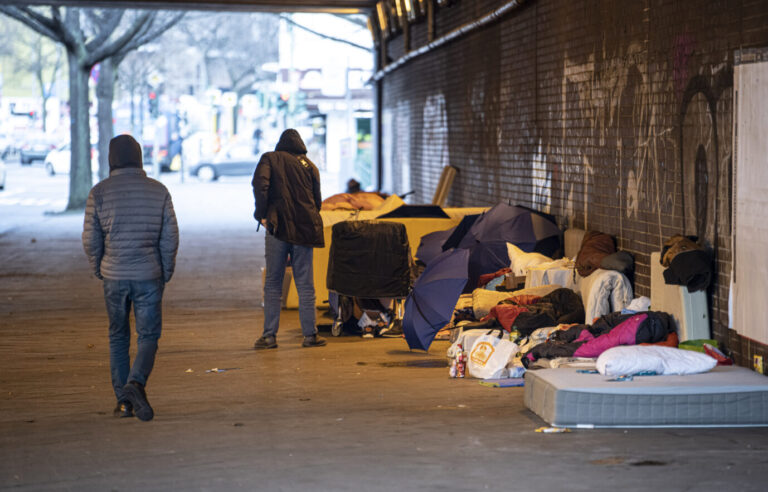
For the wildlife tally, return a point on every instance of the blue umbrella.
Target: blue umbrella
(460, 231)
(431, 245)
(486, 257)
(430, 305)
(521, 226)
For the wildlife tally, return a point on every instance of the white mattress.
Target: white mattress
(723, 397)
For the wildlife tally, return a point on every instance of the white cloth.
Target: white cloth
(559, 272)
(520, 261)
(603, 292)
(639, 304)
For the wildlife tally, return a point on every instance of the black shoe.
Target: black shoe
(123, 410)
(265, 342)
(393, 330)
(368, 331)
(313, 341)
(134, 394)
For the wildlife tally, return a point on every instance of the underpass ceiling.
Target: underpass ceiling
(335, 6)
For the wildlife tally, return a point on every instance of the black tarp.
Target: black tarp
(460, 231)
(369, 259)
(416, 211)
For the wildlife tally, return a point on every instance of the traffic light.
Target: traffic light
(282, 101)
(153, 109)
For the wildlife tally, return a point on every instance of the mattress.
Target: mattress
(727, 396)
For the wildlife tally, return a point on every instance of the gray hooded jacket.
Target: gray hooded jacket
(130, 230)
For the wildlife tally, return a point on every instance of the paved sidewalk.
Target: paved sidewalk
(355, 415)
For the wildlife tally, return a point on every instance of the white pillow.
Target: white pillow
(520, 261)
(634, 359)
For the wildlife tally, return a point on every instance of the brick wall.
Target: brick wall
(614, 116)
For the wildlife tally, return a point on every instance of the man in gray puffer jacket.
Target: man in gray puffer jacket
(131, 237)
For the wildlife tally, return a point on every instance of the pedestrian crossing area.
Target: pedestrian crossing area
(32, 202)
(20, 198)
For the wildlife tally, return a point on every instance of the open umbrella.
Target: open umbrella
(431, 245)
(430, 305)
(460, 231)
(521, 226)
(485, 257)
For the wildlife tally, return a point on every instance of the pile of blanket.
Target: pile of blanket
(608, 331)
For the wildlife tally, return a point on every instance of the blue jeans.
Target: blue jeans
(146, 297)
(277, 252)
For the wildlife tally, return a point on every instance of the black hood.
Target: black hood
(124, 151)
(290, 141)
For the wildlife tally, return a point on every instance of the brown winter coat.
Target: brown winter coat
(594, 247)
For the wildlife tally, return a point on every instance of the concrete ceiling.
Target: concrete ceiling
(335, 6)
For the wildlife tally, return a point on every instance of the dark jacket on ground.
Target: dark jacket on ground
(690, 268)
(286, 187)
(130, 230)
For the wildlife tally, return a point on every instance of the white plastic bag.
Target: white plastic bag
(489, 357)
(467, 339)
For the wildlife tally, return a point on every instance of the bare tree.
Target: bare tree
(159, 23)
(352, 19)
(234, 47)
(132, 75)
(89, 36)
(37, 57)
(33, 54)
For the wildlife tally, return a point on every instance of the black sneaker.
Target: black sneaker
(313, 341)
(135, 395)
(123, 410)
(265, 342)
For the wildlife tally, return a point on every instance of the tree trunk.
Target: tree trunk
(79, 134)
(45, 114)
(105, 94)
(133, 108)
(43, 95)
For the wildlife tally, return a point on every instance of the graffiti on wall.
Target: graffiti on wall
(541, 181)
(706, 153)
(387, 146)
(434, 134)
(396, 148)
(657, 158)
(403, 146)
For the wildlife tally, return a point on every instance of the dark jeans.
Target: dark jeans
(277, 253)
(146, 297)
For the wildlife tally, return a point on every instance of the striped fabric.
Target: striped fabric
(130, 230)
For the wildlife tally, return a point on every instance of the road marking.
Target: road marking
(17, 191)
(32, 202)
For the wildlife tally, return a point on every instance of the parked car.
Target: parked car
(7, 148)
(58, 160)
(235, 160)
(2, 174)
(162, 157)
(35, 149)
